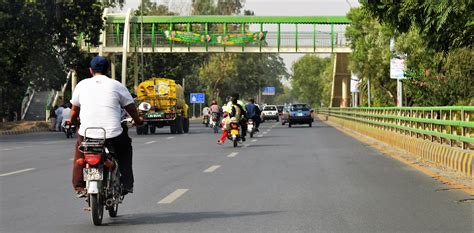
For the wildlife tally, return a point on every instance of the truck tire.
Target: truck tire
(139, 130)
(179, 125)
(172, 127)
(186, 125)
(145, 129)
(152, 129)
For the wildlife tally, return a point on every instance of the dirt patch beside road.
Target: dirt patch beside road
(23, 125)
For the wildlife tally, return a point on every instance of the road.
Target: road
(297, 179)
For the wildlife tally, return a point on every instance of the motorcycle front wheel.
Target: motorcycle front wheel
(113, 210)
(235, 143)
(97, 209)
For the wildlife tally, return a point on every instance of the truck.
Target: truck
(161, 103)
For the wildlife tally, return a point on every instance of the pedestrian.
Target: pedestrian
(59, 119)
(52, 118)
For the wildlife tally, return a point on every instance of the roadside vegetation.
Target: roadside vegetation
(436, 37)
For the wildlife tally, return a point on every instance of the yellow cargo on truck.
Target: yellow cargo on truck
(167, 106)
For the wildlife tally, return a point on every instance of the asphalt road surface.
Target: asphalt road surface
(296, 179)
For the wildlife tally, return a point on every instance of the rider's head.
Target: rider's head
(252, 100)
(214, 102)
(99, 65)
(235, 96)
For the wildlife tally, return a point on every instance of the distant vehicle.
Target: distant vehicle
(161, 103)
(299, 114)
(270, 112)
(284, 115)
(280, 109)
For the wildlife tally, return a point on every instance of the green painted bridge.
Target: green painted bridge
(123, 35)
(247, 34)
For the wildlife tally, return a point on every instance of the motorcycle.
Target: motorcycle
(251, 128)
(234, 134)
(102, 176)
(215, 122)
(205, 120)
(69, 129)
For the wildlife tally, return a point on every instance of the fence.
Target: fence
(453, 126)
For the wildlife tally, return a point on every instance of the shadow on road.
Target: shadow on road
(174, 217)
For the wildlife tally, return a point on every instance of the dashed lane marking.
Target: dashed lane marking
(254, 140)
(212, 168)
(233, 154)
(150, 142)
(16, 172)
(260, 136)
(265, 132)
(15, 148)
(173, 196)
(169, 137)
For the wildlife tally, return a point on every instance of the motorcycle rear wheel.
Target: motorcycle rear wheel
(235, 143)
(97, 209)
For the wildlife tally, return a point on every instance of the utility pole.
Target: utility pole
(141, 42)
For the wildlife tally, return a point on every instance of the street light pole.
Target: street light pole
(141, 42)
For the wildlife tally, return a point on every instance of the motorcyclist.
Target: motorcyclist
(98, 101)
(232, 113)
(242, 113)
(253, 112)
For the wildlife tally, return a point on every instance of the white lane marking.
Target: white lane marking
(71, 159)
(16, 172)
(260, 136)
(169, 137)
(15, 148)
(233, 154)
(265, 132)
(254, 140)
(212, 168)
(246, 145)
(49, 143)
(173, 196)
(150, 142)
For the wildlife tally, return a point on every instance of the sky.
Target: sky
(273, 8)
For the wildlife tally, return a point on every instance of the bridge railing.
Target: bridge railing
(282, 33)
(453, 126)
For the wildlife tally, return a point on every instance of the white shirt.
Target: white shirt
(66, 115)
(101, 100)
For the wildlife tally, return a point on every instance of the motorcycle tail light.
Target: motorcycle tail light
(92, 159)
(234, 126)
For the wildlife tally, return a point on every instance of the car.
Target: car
(270, 112)
(300, 114)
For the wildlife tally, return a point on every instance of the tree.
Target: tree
(370, 57)
(38, 44)
(444, 24)
(309, 80)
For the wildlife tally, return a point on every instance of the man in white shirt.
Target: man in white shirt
(98, 102)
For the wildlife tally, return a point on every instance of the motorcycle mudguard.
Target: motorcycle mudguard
(93, 187)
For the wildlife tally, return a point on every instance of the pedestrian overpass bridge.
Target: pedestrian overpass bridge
(123, 35)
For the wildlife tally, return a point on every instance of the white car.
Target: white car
(270, 112)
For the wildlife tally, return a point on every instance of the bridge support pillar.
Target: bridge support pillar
(113, 67)
(341, 81)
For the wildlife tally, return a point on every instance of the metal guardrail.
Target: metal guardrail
(445, 125)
